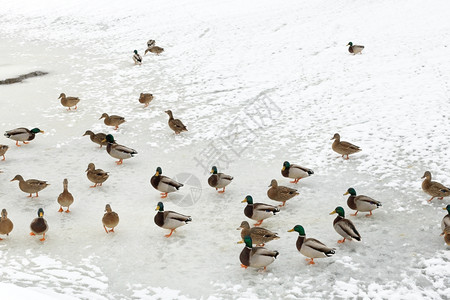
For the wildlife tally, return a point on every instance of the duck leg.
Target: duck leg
(25, 142)
(370, 214)
(164, 195)
(347, 157)
(29, 196)
(341, 241)
(284, 203)
(60, 209)
(43, 237)
(111, 230)
(222, 191)
(37, 195)
(93, 186)
(311, 261)
(3, 157)
(259, 223)
(244, 266)
(171, 231)
(105, 228)
(295, 180)
(441, 198)
(17, 144)
(116, 127)
(32, 234)
(119, 162)
(67, 211)
(430, 199)
(354, 214)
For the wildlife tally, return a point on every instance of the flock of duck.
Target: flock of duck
(254, 253)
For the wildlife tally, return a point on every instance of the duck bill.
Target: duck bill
(212, 171)
(41, 131)
(157, 174)
(245, 200)
(445, 208)
(104, 140)
(333, 212)
(283, 168)
(41, 215)
(240, 242)
(291, 230)
(157, 208)
(346, 193)
(332, 138)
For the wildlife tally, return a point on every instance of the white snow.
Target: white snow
(256, 83)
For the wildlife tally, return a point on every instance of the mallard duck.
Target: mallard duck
(256, 257)
(65, 198)
(311, 248)
(97, 176)
(118, 151)
(22, 135)
(39, 225)
(110, 219)
(145, 99)
(154, 49)
(175, 124)
(6, 226)
(30, 186)
(361, 202)
(446, 220)
(295, 171)
(258, 211)
(137, 58)
(344, 227)
(169, 219)
(280, 193)
(433, 188)
(219, 180)
(164, 184)
(112, 120)
(446, 234)
(97, 137)
(68, 101)
(259, 235)
(343, 148)
(355, 49)
(3, 149)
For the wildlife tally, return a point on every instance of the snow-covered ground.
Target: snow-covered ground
(256, 83)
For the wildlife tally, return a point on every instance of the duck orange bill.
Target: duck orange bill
(41, 131)
(346, 193)
(245, 200)
(291, 230)
(333, 212)
(104, 140)
(445, 208)
(41, 214)
(283, 168)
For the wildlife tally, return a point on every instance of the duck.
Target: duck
(97, 176)
(295, 171)
(151, 43)
(434, 188)
(137, 58)
(361, 202)
(344, 227)
(219, 180)
(118, 151)
(69, 101)
(30, 186)
(6, 225)
(310, 247)
(145, 99)
(355, 49)
(446, 234)
(110, 219)
(343, 148)
(446, 220)
(39, 225)
(22, 135)
(169, 219)
(280, 193)
(154, 49)
(260, 236)
(97, 137)
(164, 184)
(175, 124)
(256, 257)
(65, 198)
(258, 211)
(112, 120)
(3, 149)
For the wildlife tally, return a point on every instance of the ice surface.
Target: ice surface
(222, 60)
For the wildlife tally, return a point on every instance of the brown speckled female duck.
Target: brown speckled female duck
(110, 219)
(280, 193)
(69, 101)
(343, 148)
(433, 188)
(145, 99)
(3, 149)
(30, 186)
(259, 235)
(175, 124)
(6, 226)
(97, 137)
(112, 120)
(65, 199)
(97, 176)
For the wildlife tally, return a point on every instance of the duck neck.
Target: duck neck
(351, 201)
(338, 218)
